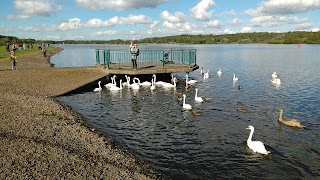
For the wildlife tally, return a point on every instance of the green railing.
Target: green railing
(146, 58)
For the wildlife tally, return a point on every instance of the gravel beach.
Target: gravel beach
(43, 139)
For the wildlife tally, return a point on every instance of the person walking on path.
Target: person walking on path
(134, 55)
(13, 60)
(8, 47)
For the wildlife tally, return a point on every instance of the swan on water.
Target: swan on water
(190, 81)
(276, 81)
(202, 71)
(99, 88)
(186, 106)
(127, 81)
(115, 87)
(234, 77)
(135, 85)
(112, 82)
(290, 122)
(169, 85)
(172, 78)
(219, 72)
(152, 87)
(274, 75)
(206, 74)
(155, 80)
(256, 146)
(196, 98)
(145, 83)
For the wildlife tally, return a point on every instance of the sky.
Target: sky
(136, 19)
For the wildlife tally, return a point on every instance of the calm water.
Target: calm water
(154, 127)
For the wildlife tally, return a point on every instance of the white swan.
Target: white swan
(112, 82)
(186, 106)
(172, 79)
(190, 81)
(145, 83)
(152, 87)
(255, 146)
(155, 80)
(99, 88)
(115, 87)
(276, 81)
(206, 75)
(219, 72)
(169, 85)
(274, 75)
(127, 82)
(135, 85)
(234, 77)
(202, 71)
(196, 98)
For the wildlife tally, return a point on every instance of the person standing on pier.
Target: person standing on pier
(134, 55)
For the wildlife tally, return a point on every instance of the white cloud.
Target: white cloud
(154, 24)
(267, 21)
(246, 30)
(29, 8)
(273, 7)
(228, 13)
(108, 32)
(178, 17)
(74, 23)
(236, 21)
(227, 31)
(213, 24)
(179, 27)
(200, 11)
(315, 30)
(119, 5)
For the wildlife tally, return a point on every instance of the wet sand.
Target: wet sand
(43, 139)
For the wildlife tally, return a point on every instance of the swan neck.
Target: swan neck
(250, 135)
(184, 99)
(280, 117)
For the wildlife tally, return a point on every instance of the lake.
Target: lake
(156, 129)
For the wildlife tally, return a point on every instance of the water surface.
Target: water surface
(153, 125)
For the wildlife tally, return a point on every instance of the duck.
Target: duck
(186, 106)
(290, 122)
(256, 146)
(196, 98)
(274, 75)
(234, 77)
(196, 113)
(207, 98)
(241, 110)
(98, 89)
(190, 81)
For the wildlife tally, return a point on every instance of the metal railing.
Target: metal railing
(146, 58)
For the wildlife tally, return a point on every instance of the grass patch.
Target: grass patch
(5, 55)
(61, 118)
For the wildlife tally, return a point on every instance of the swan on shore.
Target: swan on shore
(186, 106)
(234, 77)
(196, 98)
(274, 75)
(256, 146)
(190, 81)
(115, 87)
(98, 89)
(290, 122)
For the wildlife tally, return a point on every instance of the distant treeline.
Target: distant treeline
(298, 37)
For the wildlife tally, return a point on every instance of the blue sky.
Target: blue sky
(135, 19)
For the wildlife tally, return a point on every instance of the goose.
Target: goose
(290, 122)
(241, 110)
(155, 80)
(99, 88)
(206, 75)
(196, 98)
(169, 85)
(115, 88)
(256, 146)
(135, 85)
(186, 106)
(234, 77)
(112, 82)
(276, 81)
(152, 87)
(219, 72)
(274, 75)
(190, 81)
